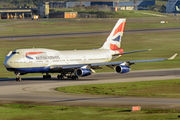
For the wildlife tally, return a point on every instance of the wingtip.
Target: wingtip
(171, 58)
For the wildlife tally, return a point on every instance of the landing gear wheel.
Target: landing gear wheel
(46, 76)
(74, 77)
(49, 76)
(60, 77)
(18, 79)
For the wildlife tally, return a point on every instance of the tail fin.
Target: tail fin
(113, 42)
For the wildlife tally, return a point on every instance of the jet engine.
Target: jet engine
(83, 72)
(122, 69)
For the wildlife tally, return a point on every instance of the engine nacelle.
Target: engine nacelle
(83, 72)
(122, 69)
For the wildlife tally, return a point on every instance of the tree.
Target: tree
(163, 8)
(151, 7)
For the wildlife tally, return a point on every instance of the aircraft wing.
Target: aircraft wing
(95, 65)
(133, 61)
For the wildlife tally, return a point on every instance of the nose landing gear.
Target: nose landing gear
(18, 78)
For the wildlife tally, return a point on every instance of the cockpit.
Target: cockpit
(15, 52)
(12, 53)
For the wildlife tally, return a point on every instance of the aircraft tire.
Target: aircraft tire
(58, 76)
(44, 77)
(74, 77)
(18, 79)
(61, 77)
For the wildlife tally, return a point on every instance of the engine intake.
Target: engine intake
(122, 69)
(83, 72)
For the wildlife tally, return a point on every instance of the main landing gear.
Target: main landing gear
(47, 76)
(73, 77)
(62, 76)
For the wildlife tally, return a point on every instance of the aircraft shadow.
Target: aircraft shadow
(41, 79)
(70, 100)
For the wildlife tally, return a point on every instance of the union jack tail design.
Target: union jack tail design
(113, 42)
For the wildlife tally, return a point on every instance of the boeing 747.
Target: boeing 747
(73, 63)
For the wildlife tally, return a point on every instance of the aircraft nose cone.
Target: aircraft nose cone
(6, 63)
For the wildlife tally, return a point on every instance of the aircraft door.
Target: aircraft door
(84, 59)
(42, 59)
(46, 60)
(29, 63)
(67, 60)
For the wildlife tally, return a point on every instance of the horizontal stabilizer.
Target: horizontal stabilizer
(132, 52)
(171, 58)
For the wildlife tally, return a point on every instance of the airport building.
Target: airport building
(122, 5)
(14, 13)
(43, 8)
(21, 13)
(173, 6)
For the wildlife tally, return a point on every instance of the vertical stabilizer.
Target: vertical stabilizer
(113, 42)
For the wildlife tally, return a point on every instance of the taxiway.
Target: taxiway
(35, 90)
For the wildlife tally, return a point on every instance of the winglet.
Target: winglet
(171, 58)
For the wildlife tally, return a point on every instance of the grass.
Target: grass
(86, 25)
(163, 88)
(49, 27)
(35, 112)
(3, 22)
(136, 14)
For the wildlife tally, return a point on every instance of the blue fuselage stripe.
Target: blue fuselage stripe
(30, 69)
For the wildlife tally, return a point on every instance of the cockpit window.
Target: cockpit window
(15, 52)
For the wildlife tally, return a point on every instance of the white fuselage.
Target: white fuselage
(39, 57)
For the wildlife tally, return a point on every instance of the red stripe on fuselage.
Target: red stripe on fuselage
(33, 53)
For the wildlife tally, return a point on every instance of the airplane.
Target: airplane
(73, 63)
